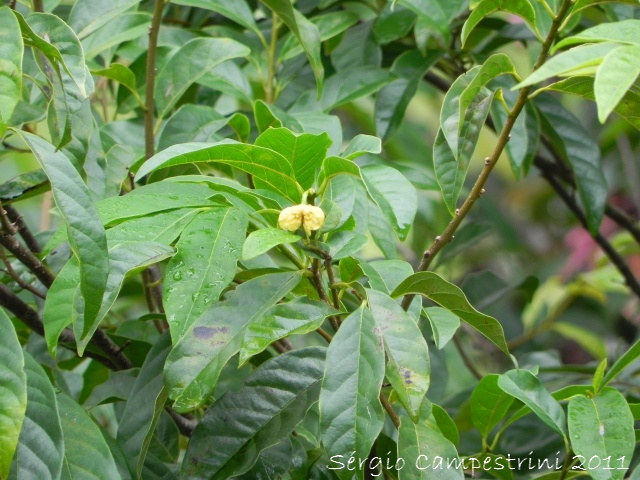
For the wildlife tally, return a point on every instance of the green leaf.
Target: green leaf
(24, 186)
(436, 15)
(386, 275)
(123, 28)
(408, 367)
(263, 240)
(361, 144)
(380, 229)
(590, 341)
(297, 317)
(584, 86)
(577, 146)
(273, 400)
(444, 324)
(123, 75)
(88, 15)
(392, 99)
(238, 11)
(522, 8)
(11, 48)
(270, 170)
(195, 363)
(351, 415)
(208, 251)
(615, 76)
(271, 116)
(13, 392)
(577, 61)
(87, 236)
(621, 363)
(525, 386)
(162, 227)
(579, 5)
(306, 33)
(600, 427)
(345, 243)
(87, 454)
(144, 406)
(626, 31)
(188, 64)
(40, 449)
(489, 404)
(427, 452)
(394, 194)
(305, 151)
(447, 295)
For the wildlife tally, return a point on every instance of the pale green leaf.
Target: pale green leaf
(11, 48)
(263, 240)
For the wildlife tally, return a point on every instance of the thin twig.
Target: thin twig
(26, 257)
(149, 144)
(389, 409)
(465, 358)
(38, 6)
(478, 188)
(324, 334)
(23, 230)
(16, 278)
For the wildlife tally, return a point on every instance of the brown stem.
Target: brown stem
(16, 278)
(149, 146)
(323, 333)
(478, 188)
(38, 6)
(318, 283)
(389, 409)
(26, 257)
(23, 230)
(465, 358)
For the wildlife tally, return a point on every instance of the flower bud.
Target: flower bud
(313, 218)
(291, 218)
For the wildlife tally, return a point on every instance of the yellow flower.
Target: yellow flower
(306, 216)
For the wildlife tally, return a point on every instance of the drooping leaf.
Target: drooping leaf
(351, 415)
(11, 51)
(575, 145)
(270, 170)
(444, 324)
(13, 393)
(208, 251)
(41, 448)
(394, 194)
(306, 33)
(408, 366)
(297, 317)
(526, 387)
(87, 236)
(123, 75)
(602, 427)
(263, 240)
(361, 144)
(190, 63)
(86, 453)
(489, 404)
(426, 452)
(447, 295)
(304, 151)
(88, 15)
(144, 405)
(522, 8)
(194, 364)
(614, 77)
(272, 402)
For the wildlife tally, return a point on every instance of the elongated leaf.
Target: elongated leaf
(351, 415)
(386, 275)
(408, 367)
(489, 404)
(601, 427)
(41, 447)
(86, 453)
(208, 251)
(579, 60)
(272, 402)
(575, 144)
(194, 364)
(525, 386)
(583, 87)
(263, 240)
(238, 11)
(621, 363)
(190, 63)
(447, 295)
(86, 233)
(13, 393)
(125, 27)
(11, 48)
(270, 170)
(392, 99)
(304, 151)
(88, 15)
(394, 194)
(579, 5)
(444, 324)
(146, 402)
(162, 227)
(522, 8)
(24, 186)
(345, 243)
(297, 317)
(626, 31)
(123, 75)
(426, 452)
(191, 123)
(615, 76)
(306, 33)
